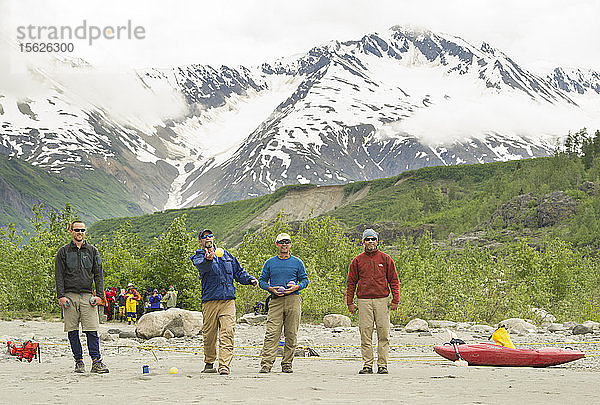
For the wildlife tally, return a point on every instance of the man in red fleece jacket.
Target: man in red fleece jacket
(375, 274)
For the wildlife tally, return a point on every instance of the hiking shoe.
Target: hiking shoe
(79, 367)
(287, 369)
(208, 368)
(366, 370)
(382, 370)
(265, 370)
(99, 367)
(223, 371)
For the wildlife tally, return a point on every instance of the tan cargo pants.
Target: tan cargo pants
(219, 321)
(284, 313)
(374, 311)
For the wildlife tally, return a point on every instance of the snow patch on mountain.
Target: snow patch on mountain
(214, 135)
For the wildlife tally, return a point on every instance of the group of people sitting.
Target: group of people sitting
(128, 304)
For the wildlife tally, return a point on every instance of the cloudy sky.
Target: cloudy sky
(537, 34)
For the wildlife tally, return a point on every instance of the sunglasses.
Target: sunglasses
(206, 235)
(285, 242)
(370, 239)
(78, 230)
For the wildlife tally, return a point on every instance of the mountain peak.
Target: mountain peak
(345, 110)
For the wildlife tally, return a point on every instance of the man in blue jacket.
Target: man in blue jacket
(283, 276)
(218, 300)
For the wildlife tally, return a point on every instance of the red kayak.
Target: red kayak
(487, 354)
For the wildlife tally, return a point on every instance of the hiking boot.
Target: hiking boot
(223, 371)
(287, 369)
(382, 370)
(366, 370)
(208, 368)
(265, 370)
(79, 367)
(99, 367)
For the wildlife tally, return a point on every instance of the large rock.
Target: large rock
(417, 325)
(155, 324)
(441, 324)
(252, 318)
(176, 327)
(556, 327)
(518, 325)
(534, 212)
(555, 207)
(581, 330)
(106, 337)
(157, 341)
(591, 324)
(336, 320)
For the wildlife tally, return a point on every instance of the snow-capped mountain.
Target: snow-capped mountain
(574, 80)
(344, 111)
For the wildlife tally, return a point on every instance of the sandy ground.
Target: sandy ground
(417, 375)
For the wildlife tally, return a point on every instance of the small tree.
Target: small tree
(168, 263)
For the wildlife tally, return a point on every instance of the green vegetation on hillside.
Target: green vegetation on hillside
(457, 198)
(470, 285)
(95, 194)
(225, 219)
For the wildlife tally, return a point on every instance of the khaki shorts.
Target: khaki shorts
(80, 310)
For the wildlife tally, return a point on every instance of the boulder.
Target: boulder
(417, 325)
(106, 337)
(555, 327)
(127, 335)
(192, 321)
(534, 212)
(518, 325)
(157, 341)
(441, 324)
(176, 320)
(555, 207)
(252, 318)
(176, 326)
(463, 325)
(114, 331)
(336, 320)
(581, 330)
(594, 325)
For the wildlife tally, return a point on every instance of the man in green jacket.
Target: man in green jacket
(170, 298)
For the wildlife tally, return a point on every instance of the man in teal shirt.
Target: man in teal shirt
(283, 276)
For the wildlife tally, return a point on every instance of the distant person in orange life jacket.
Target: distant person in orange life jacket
(375, 274)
